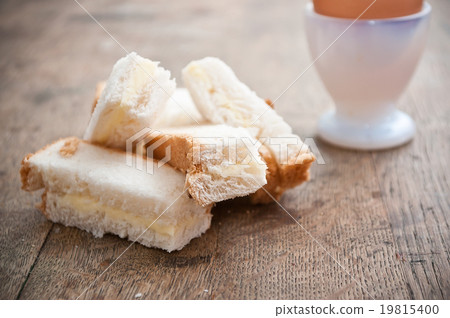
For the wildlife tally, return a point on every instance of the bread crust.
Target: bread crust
(272, 175)
(281, 177)
(181, 158)
(29, 182)
(25, 171)
(42, 207)
(98, 92)
(270, 103)
(70, 147)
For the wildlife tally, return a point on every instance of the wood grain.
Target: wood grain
(415, 180)
(265, 254)
(383, 216)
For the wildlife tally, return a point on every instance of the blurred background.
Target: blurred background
(54, 53)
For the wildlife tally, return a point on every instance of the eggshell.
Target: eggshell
(381, 9)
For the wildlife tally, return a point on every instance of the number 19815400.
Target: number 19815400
(409, 309)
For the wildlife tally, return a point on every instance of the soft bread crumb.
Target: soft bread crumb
(98, 224)
(70, 147)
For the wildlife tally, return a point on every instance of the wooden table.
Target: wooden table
(375, 224)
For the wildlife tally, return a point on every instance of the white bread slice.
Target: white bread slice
(223, 99)
(93, 188)
(221, 162)
(131, 100)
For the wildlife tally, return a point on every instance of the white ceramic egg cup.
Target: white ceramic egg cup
(365, 71)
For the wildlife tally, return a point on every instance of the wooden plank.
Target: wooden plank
(72, 260)
(415, 180)
(22, 229)
(40, 101)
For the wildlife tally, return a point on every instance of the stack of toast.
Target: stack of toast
(154, 159)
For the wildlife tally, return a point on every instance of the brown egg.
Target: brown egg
(381, 9)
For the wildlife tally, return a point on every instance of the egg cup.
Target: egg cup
(365, 70)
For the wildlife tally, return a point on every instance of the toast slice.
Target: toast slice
(223, 99)
(221, 162)
(93, 188)
(131, 100)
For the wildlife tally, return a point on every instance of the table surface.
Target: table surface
(372, 224)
